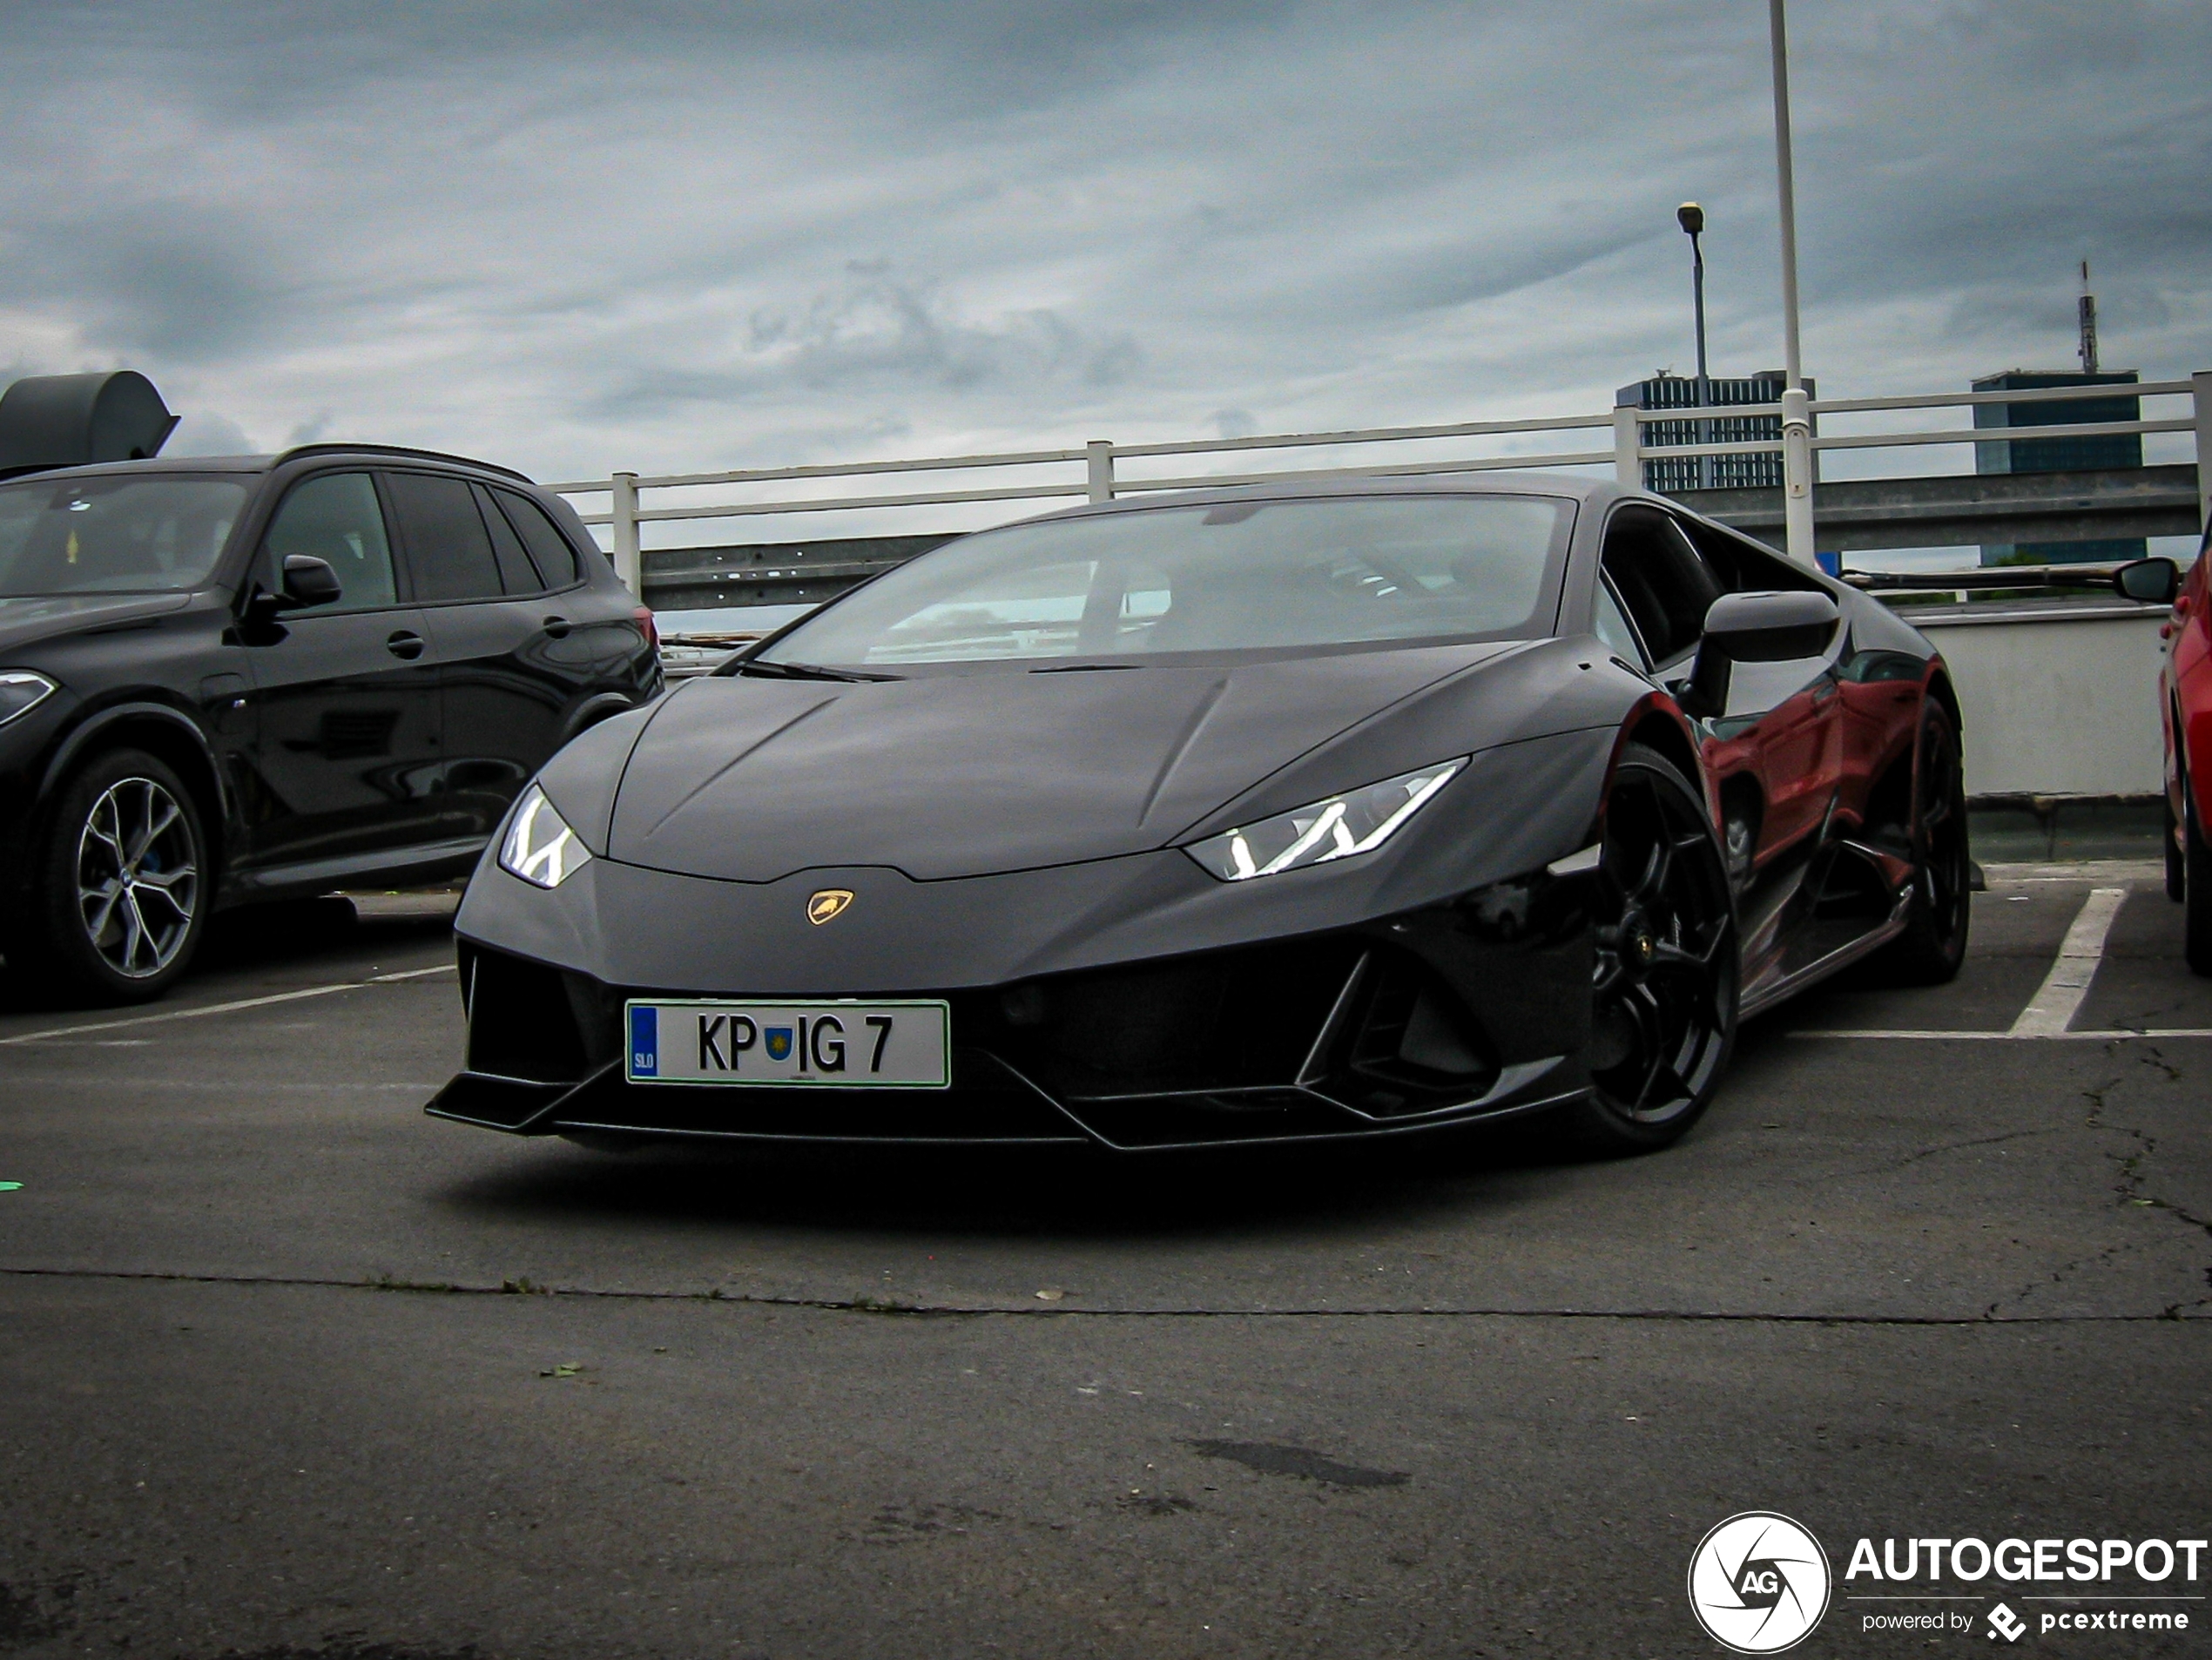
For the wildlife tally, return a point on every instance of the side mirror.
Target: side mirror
(1777, 627)
(2154, 581)
(308, 582)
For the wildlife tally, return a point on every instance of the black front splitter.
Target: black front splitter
(1007, 1112)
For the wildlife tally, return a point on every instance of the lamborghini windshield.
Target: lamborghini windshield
(120, 533)
(1242, 577)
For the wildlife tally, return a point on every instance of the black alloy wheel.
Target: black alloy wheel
(1663, 990)
(1934, 945)
(120, 886)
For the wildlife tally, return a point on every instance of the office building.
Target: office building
(2109, 453)
(1674, 476)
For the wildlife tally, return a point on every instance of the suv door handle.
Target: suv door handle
(405, 643)
(556, 627)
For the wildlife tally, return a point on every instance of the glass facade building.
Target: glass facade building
(2058, 454)
(1673, 475)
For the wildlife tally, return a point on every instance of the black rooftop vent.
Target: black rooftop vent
(75, 420)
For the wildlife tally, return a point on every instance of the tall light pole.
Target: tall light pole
(1692, 217)
(1796, 416)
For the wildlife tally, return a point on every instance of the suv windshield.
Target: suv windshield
(117, 534)
(1237, 576)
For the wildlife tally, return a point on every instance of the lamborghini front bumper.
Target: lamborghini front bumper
(1468, 1008)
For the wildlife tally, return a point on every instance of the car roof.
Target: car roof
(251, 464)
(1558, 486)
(156, 464)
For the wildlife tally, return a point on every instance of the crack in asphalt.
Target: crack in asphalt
(2095, 1122)
(2132, 1188)
(2128, 1188)
(1915, 1156)
(899, 1306)
(2148, 1018)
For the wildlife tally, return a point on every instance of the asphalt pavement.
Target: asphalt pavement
(289, 1368)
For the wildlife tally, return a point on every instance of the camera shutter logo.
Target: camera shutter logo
(1758, 1583)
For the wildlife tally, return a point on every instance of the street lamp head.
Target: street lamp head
(1691, 217)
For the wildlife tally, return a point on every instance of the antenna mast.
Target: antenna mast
(2089, 324)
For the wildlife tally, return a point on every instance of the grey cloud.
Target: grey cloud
(574, 236)
(876, 328)
(206, 433)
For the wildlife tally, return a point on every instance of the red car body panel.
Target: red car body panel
(2185, 688)
(1820, 753)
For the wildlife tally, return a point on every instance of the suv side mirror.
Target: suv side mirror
(1775, 627)
(2153, 581)
(308, 582)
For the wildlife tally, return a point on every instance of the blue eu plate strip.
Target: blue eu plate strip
(644, 1043)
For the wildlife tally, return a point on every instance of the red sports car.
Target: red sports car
(2185, 703)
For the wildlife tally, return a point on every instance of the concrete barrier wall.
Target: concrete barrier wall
(2056, 703)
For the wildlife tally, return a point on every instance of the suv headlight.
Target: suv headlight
(1357, 822)
(21, 691)
(538, 846)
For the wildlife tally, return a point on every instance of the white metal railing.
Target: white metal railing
(1095, 473)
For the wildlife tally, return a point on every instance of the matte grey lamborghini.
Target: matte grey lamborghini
(1297, 814)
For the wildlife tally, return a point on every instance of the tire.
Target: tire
(1664, 988)
(2177, 857)
(2196, 884)
(1934, 945)
(120, 890)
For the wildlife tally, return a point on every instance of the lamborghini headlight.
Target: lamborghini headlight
(1357, 822)
(539, 847)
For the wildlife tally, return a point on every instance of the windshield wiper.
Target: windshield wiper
(781, 671)
(1084, 668)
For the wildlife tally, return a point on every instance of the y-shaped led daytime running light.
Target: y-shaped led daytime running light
(539, 848)
(1357, 822)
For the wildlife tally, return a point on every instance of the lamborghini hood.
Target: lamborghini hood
(750, 779)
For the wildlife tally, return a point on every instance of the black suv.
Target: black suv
(230, 680)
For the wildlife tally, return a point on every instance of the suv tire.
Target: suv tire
(120, 884)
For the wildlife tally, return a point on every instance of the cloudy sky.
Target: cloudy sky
(577, 236)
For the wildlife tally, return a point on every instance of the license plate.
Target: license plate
(840, 1045)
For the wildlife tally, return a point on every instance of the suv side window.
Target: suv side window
(1663, 583)
(448, 549)
(554, 559)
(514, 568)
(336, 518)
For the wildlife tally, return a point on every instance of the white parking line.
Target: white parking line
(2051, 1011)
(225, 1009)
(2058, 999)
(1973, 1038)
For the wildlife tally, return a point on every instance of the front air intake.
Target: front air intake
(1413, 1046)
(522, 1020)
